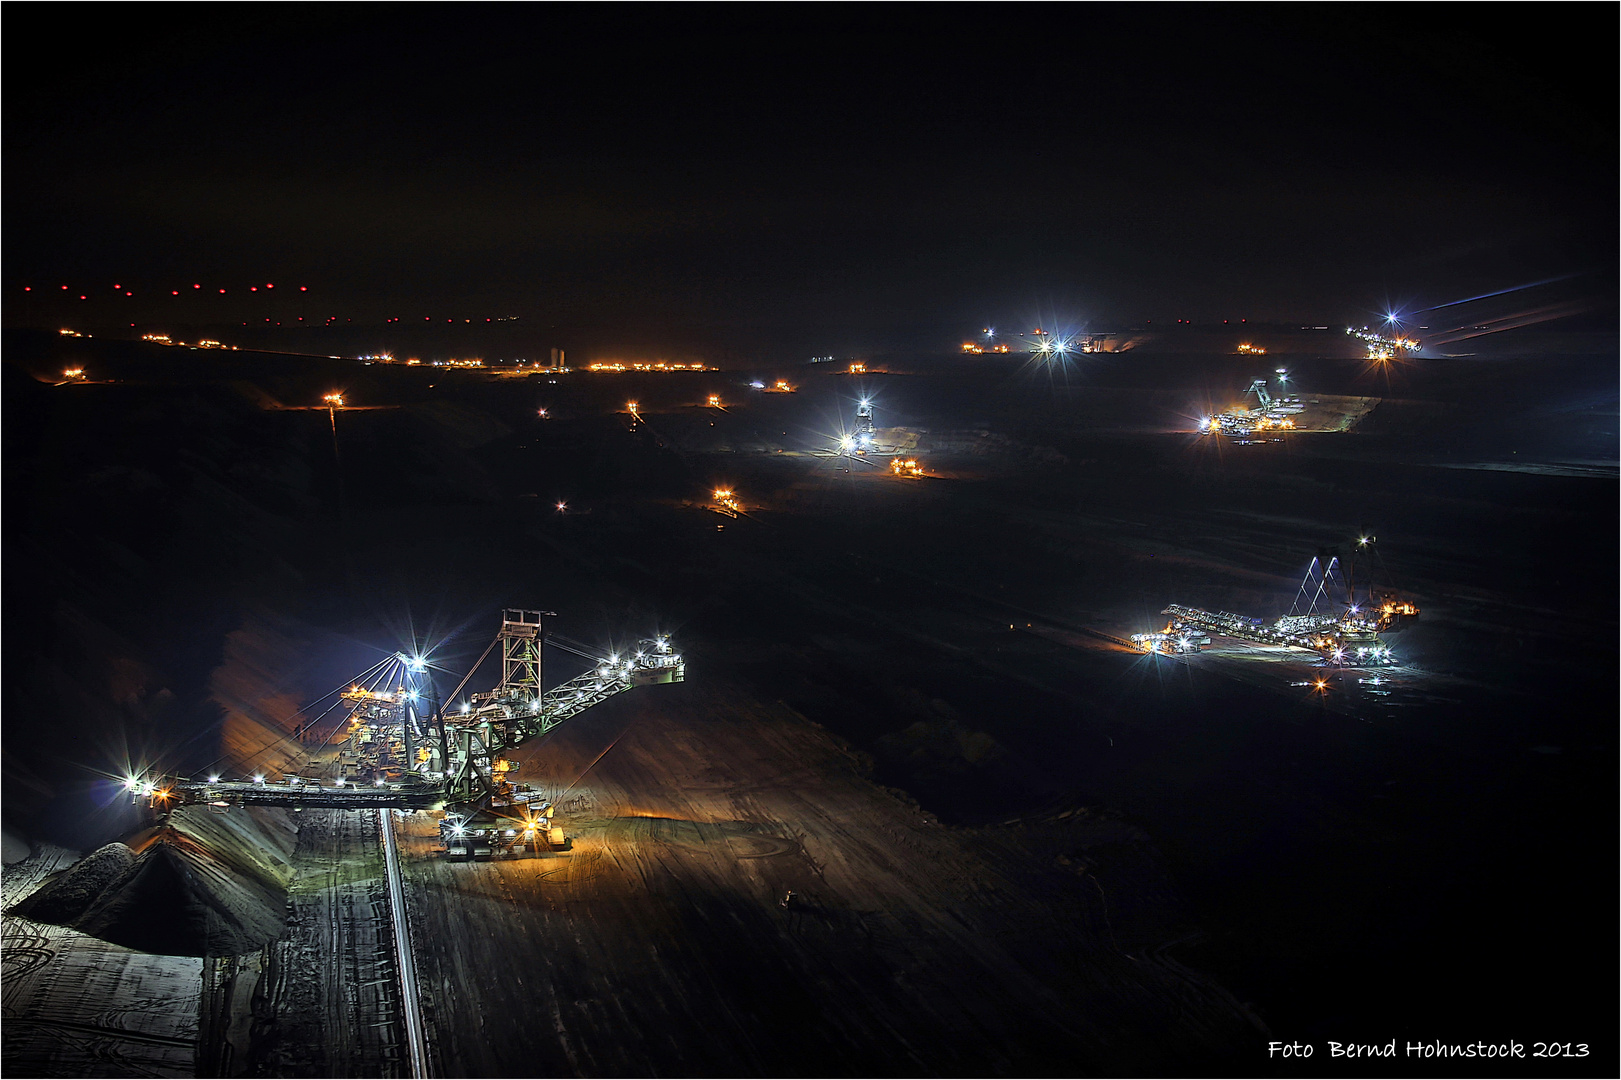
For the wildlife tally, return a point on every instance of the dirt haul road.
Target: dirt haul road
(324, 998)
(659, 943)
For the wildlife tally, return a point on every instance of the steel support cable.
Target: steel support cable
(306, 708)
(302, 729)
(1322, 586)
(353, 681)
(1328, 578)
(1390, 581)
(371, 686)
(271, 741)
(565, 641)
(596, 656)
(589, 767)
(383, 669)
(377, 673)
(339, 702)
(1295, 607)
(470, 671)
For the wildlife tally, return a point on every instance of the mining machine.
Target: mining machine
(1386, 346)
(399, 749)
(1274, 414)
(1343, 630)
(859, 440)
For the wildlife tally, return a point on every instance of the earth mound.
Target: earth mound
(177, 901)
(63, 899)
(208, 884)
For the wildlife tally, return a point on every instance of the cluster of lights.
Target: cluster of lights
(1382, 348)
(1241, 422)
(477, 362)
(858, 368)
(727, 498)
(659, 366)
(333, 400)
(657, 655)
(976, 347)
(1286, 631)
(73, 374)
(1247, 349)
(782, 386)
(196, 287)
(136, 785)
(1048, 346)
(1364, 654)
(614, 667)
(714, 401)
(1166, 642)
(1237, 425)
(357, 694)
(908, 468)
(861, 441)
(202, 343)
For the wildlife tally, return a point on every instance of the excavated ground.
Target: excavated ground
(908, 949)
(323, 999)
(211, 884)
(74, 1005)
(1111, 824)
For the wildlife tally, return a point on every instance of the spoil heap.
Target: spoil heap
(63, 899)
(206, 884)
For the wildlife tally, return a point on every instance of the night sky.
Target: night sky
(843, 175)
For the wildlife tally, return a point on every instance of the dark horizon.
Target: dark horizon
(855, 179)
